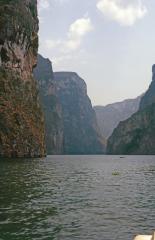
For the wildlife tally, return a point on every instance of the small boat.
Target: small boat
(145, 237)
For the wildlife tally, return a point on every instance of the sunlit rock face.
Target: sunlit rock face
(21, 118)
(136, 135)
(81, 134)
(51, 106)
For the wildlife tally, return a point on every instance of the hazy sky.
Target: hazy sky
(109, 43)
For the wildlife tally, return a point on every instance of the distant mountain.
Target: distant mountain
(81, 134)
(136, 135)
(51, 106)
(108, 117)
(71, 126)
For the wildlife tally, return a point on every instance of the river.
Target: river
(77, 198)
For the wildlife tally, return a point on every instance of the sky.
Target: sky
(109, 43)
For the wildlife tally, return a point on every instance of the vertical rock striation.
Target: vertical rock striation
(136, 135)
(81, 134)
(51, 106)
(71, 126)
(21, 118)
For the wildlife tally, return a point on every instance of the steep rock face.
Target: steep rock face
(51, 106)
(137, 134)
(81, 135)
(149, 96)
(21, 118)
(108, 117)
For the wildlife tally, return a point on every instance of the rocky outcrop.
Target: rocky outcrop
(149, 96)
(21, 118)
(136, 135)
(81, 134)
(108, 117)
(51, 106)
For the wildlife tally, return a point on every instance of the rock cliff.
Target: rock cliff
(81, 134)
(21, 118)
(51, 106)
(136, 135)
(108, 117)
(149, 96)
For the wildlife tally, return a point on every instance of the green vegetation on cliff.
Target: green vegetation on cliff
(136, 135)
(21, 118)
(20, 131)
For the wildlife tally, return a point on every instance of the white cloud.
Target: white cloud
(80, 27)
(66, 59)
(125, 15)
(51, 44)
(76, 32)
(62, 1)
(65, 50)
(43, 5)
(60, 59)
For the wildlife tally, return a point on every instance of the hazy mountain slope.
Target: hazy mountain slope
(51, 106)
(108, 117)
(137, 134)
(81, 135)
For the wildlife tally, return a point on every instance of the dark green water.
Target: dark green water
(77, 198)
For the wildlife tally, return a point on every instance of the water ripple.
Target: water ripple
(77, 198)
